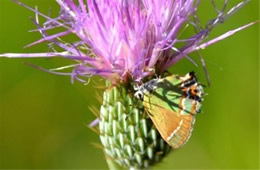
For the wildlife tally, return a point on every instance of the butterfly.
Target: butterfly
(172, 103)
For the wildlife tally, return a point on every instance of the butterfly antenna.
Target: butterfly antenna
(204, 68)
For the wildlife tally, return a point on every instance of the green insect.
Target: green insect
(172, 103)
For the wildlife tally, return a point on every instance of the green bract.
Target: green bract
(126, 132)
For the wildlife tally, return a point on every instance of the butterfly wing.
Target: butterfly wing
(171, 112)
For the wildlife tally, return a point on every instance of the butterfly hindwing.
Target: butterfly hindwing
(172, 110)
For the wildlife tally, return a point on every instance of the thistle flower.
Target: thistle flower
(126, 42)
(123, 40)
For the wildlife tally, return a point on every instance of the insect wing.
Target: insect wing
(171, 112)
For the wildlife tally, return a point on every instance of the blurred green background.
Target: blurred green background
(43, 117)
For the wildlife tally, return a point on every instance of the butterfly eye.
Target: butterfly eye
(139, 95)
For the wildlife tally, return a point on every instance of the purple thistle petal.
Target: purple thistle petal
(94, 123)
(121, 39)
(223, 36)
(32, 55)
(46, 70)
(178, 56)
(49, 38)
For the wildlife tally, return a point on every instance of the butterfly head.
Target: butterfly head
(146, 88)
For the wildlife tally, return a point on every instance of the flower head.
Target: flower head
(121, 39)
